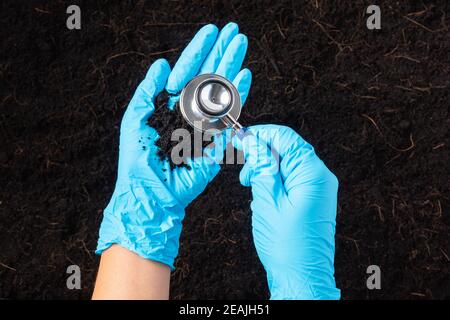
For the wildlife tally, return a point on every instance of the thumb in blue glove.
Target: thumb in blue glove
(293, 212)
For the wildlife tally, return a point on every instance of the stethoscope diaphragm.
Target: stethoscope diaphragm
(210, 102)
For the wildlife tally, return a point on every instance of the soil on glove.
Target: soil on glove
(373, 103)
(168, 120)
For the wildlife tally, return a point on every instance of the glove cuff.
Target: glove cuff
(297, 287)
(135, 220)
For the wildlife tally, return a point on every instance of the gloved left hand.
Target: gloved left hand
(148, 203)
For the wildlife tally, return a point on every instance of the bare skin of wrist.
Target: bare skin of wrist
(124, 275)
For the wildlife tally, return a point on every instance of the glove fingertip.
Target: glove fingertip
(231, 26)
(246, 74)
(243, 83)
(210, 28)
(158, 73)
(241, 39)
(160, 64)
(244, 176)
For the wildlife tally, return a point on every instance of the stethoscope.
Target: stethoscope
(210, 102)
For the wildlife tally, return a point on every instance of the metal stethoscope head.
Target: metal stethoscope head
(210, 102)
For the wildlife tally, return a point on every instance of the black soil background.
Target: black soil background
(374, 103)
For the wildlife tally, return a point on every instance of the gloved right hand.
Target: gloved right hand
(294, 212)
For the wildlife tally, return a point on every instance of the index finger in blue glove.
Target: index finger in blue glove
(191, 59)
(233, 57)
(223, 40)
(141, 105)
(261, 172)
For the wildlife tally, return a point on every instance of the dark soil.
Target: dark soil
(167, 120)
(375, 104)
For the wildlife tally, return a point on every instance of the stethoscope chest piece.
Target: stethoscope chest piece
(210, 102)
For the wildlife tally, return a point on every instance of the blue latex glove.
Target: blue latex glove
(148, 203)
(294, 212)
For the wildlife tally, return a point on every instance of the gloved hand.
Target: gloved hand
(294, 212)
(147, 206)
